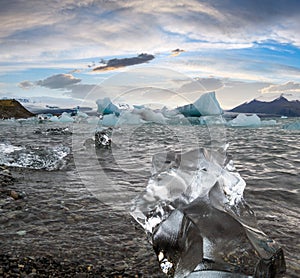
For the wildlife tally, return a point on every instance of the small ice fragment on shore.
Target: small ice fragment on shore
(21, 233)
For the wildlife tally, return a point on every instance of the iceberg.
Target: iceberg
(63, 118)
(292, 126)
(197, 220)
(243, 120)
(109, 120)
(82, 115)
(105, 106)
(129, 118)
(268, 123)
(206, 105)
(66, 118)
(148, 115)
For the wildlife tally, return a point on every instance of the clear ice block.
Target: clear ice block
(198, 222)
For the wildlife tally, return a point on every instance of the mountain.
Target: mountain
(279, 107)
(10, 108)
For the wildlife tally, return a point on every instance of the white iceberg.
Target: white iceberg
(149, 115)
(54, 119)
(243, 120)
(66, 118)
(208, 105)
(129, 118)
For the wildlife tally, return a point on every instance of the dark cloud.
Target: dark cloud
(58, 81)
(125, 62)
(26, 85)
(177, 52)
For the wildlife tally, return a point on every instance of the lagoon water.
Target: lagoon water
(76, 199)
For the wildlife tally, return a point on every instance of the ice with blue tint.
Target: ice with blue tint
(205, 105)
(208, 105)
(105, 106)
(292, 126)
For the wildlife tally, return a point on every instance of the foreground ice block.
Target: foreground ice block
(198, 222)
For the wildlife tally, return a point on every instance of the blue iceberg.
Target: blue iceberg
(206, 105)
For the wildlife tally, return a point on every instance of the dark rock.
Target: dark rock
(10, 108)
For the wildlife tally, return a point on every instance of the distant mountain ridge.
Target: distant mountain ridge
(280, 107)
(10, 108)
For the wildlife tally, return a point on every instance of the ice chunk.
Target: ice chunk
(54, 119)
(149, 115)
(93, 120)
(103, 138)
(105, 106)
(66, 118)
(243, 120)
(292, 126)
(197, 220)
(82, 115)
(109, 120)
(268, 123)
(129, 118)
(206, 105)
(33, 157)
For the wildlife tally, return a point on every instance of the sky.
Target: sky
(169, 52)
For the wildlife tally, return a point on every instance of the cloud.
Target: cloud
(282, 88)
(32, 30)
(176, 52)
(201, 85)
(58, 81)
(234, 93)
(124, 62)
(26, 85)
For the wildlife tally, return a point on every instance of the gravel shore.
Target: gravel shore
(52, 232)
